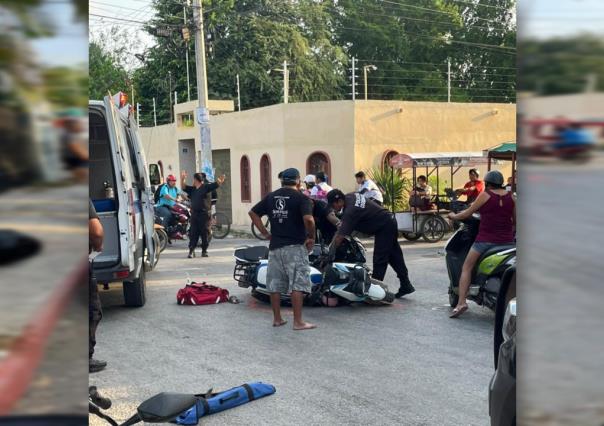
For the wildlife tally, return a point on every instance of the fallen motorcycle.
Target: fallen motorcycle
(337, 279)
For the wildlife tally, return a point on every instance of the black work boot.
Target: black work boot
(191, 253)
(95, 365)
(204, 254)
(405, 288)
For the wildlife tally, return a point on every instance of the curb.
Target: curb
(19, 366)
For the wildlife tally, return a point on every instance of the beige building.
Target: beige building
(339, 137)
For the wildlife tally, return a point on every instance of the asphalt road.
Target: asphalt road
(402, 364)
(561, 292)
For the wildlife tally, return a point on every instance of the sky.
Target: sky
(69, 46)
(559, 18)
(536, 18)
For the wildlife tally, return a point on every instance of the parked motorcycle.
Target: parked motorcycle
(489, 270)
(178, 226)
(335, 279)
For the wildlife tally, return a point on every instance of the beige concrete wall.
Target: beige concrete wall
(289, 134)
(160, 143)
(412, 127)
(578, 106)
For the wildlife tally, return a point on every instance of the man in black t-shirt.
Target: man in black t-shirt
(363, 215)
(292, 237)
(200, 210)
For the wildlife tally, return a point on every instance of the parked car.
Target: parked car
(121, 192)
(502, 389)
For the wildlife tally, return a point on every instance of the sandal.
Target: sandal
(458, 311)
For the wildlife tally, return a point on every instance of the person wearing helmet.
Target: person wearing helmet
(309, 182)
(368, 217)
(368, 188)
(291, 238)
(168, 196)
(473, 187)
(497, 225)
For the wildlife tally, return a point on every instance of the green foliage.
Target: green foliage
(66, 87)
(394, 185)
(562, 65)
(105, 72)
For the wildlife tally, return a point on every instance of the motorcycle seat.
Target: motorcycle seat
(252, 253)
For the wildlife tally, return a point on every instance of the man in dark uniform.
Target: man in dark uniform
(200, 210)
(292, 237)
(363, 215)
(326, 221)
(95, 313)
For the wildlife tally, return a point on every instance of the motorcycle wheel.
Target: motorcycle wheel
(411, 236)
(162, 235)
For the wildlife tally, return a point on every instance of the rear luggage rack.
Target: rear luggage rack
(244, 273)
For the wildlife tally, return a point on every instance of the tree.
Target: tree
(105, 73)
(249, 39)
(561, 65)
(66, 87)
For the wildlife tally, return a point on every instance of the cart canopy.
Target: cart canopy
(505, 151)
(434, 159)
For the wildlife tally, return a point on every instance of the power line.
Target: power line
(423, 63)
(480, 4)
(432, 10)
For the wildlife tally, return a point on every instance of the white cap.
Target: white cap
(309, 179)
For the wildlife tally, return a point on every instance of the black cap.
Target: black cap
(290, 175)
(334, 195)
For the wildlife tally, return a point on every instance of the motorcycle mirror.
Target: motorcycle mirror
(165, 406)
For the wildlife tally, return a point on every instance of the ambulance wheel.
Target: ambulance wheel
(135, 294)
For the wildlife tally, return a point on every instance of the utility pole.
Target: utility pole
(238, 95)
(170, 93)
(184, 11)
(202, 113)
(354, 76)
(448, 80)
(175, 97)
(366, 69)
(285, 83)
(154, 115)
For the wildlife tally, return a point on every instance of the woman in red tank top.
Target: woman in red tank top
(497, 222)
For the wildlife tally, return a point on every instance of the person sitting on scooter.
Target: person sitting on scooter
(473, 187)
(367, 217)
(168, 196)
(497, 223)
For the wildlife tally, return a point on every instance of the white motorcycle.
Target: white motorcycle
(335, 280)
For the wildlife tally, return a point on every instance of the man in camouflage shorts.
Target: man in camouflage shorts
(293, 231)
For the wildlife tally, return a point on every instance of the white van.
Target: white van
(121, 193)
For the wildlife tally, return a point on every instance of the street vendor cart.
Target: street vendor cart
(431, 225)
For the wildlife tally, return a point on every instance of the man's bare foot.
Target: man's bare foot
(304, 326)
(279, 323)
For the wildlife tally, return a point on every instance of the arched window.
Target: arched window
(265, 175)
(246, 182)
(318, 162)
(387, 157)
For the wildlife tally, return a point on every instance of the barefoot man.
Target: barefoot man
(292, 237)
